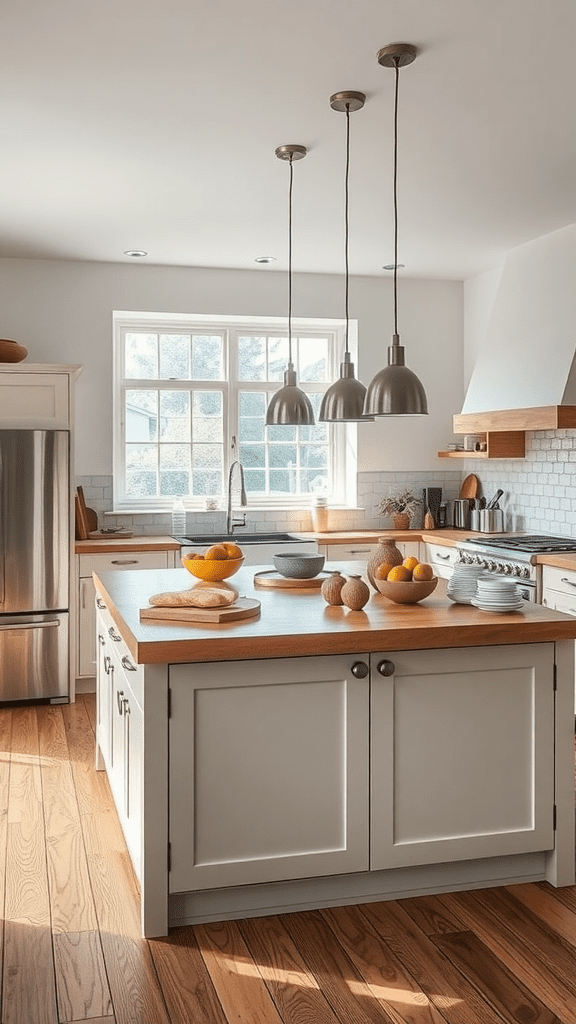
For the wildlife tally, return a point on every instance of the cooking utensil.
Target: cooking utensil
(470, 485)
(494, 501)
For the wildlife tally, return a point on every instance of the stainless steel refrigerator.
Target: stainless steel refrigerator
(34, 564)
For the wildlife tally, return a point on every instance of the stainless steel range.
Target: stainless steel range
(513, 555)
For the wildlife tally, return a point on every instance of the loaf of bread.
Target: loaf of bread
(201, 595)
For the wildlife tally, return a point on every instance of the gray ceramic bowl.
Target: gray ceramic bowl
(299, 565)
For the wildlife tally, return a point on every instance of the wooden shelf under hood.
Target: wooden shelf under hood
(505, 429)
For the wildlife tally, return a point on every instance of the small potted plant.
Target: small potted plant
(400, 505)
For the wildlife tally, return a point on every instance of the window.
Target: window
(191, 395)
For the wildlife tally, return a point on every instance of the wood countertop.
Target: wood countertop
(299, 623)
(446, 536)
(115, 542)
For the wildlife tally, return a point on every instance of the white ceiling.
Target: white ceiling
(153, 125)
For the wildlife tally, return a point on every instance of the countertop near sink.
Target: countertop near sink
(449, 537)
(116, 542)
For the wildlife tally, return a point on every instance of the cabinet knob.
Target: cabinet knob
(101, 640)
(115, 636)
(127, 664)
(360, 669)
(100, 602)
(119, 695)
(107, 664)
(386, 668)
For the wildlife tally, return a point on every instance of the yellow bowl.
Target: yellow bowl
(212, 570)
(408, 592)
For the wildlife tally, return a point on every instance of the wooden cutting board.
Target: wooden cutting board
(243, 608)
(470, 487)
(271, 578)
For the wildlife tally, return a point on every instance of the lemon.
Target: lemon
(422, 571)
(399, 574)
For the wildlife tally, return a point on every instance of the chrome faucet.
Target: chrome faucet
(231, 522)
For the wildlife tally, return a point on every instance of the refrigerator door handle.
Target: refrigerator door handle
(29, 625)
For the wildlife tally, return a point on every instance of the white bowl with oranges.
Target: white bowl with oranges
(218, 562)
(407, 583)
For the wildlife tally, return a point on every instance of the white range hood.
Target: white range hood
(524, 376)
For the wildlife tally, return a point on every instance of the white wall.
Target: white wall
(62, 312)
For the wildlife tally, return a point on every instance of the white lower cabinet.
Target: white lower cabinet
(462, 754)
(441, 557)
(86, 564)
(271, 777)
(268, 770)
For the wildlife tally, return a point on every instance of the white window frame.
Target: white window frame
(342, 438)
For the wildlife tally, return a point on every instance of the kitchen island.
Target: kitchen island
(315, 756)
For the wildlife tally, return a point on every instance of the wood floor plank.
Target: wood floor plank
(344, 987)
(134, 987)
(95, 1020)
(497, 985)
(552, 911)
(431, 915)
(92, 788)
(509, 947)
(71, 903)
(81, 983)
(240, 987)
(186, 984)
(292, 986)
(390, 983)
(89, 701)
(29, 991)
(5, 747)
(446, 988)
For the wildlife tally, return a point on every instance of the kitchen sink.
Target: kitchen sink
(239, 538)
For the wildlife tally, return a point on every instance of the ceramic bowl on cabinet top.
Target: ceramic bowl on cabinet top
(298, 565)
(406, 592)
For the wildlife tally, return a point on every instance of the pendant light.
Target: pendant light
(396, 390)
(344, 400)
(290, 406)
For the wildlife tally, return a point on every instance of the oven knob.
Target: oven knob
(479, 560)
(508, 570)
(525, 574)
(492, 565)
(517, 570)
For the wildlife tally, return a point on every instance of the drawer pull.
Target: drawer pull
(127, 664)
(107, 664)
(101, 640)
(444, 558)
(115, 636)
(100, 603)
(569, 582)
(124, 561)
(119, 701)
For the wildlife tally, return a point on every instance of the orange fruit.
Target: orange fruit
(232, 550)
(193, 554)
(399, 574)
(216, 553)
(381, 571)
(423, 571)
(410, 562)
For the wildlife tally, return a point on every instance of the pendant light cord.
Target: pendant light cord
(290, 264)
(346, 220)
(396, 68)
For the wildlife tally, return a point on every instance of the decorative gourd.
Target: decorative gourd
(385, 552)
(331, 589)
(355, 594)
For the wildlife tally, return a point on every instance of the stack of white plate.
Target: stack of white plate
(462, 584)
(497, 594)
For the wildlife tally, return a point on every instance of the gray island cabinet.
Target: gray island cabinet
(314, 756)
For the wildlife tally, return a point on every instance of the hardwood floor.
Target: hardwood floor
(71, 948)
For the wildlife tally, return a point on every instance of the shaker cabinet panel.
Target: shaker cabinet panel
(268, 771)
(462, 754)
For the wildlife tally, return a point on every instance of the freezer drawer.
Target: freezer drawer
(34, 656)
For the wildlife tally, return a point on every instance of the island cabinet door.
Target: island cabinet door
(462, 754)
(268, 770)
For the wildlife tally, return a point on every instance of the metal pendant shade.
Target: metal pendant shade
(290, 406)
(396, 390)
(344, 399)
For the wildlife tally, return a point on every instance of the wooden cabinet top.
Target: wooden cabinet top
(117, 543)
(299, 622)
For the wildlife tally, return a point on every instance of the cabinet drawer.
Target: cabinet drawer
(342, 552)
(441, 554)
(35, 400)
(113, 560)
(560, 602)
(561, 580)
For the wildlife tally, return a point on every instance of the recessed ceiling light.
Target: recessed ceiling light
(135, 252)
(265, 259)
(390, 266)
